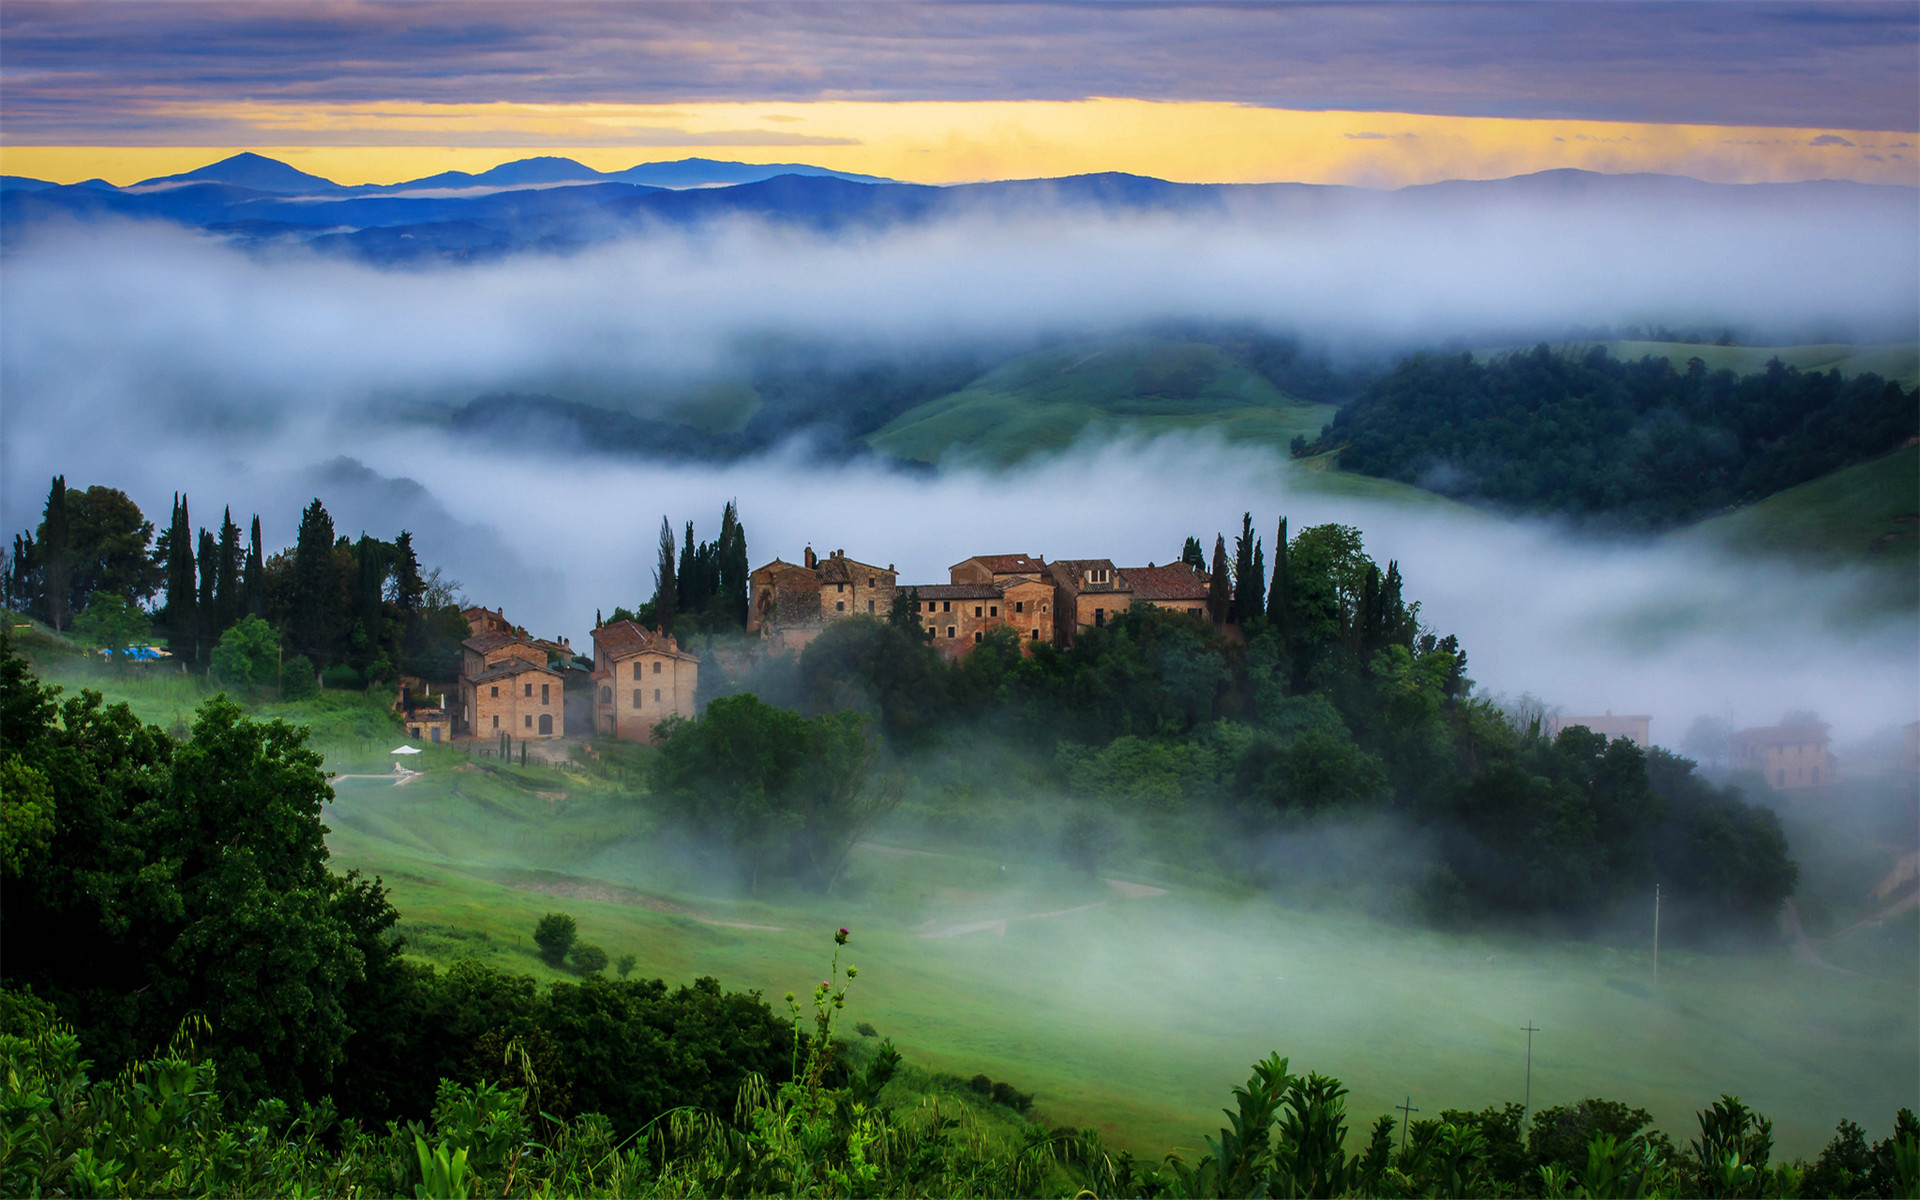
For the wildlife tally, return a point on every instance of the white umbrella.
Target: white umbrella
(405, 750)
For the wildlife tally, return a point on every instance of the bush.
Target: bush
(555, 936)
(866, 1029)
(248, 655)
(588, 958)
(981, 1084)
(297, 680)
(342, 677)
(625, 964)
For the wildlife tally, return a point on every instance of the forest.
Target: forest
(1637, 444)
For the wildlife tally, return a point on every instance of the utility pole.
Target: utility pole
(1405, 1110)
(1531, 1029)
(1656, 935)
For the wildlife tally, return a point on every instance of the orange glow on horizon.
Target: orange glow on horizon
(951, 142)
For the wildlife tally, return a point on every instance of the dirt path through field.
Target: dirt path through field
(933, 928)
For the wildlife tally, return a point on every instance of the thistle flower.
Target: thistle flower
(853, 972)
(840, 939)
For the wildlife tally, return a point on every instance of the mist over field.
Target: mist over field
(157, 360)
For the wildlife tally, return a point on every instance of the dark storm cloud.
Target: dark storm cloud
(83, 72)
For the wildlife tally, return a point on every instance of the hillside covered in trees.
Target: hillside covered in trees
(1637, 444)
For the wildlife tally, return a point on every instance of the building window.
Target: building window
(543, 692)
(529, 720)
(869, 581)
(529, 693)
(636, 697)
(946, 606)
(928, 606)
(496, 691)
(1036, 635)
(656, 668)
(993, 610)
(976, 610)
(606, 695)
(839, 606)
(976, 636)
(1019, 606)
(870, 607)
(839, 587)
(656, 695)
(1043, 606)
(496, 722)
(636, 670)
(949, 631)
(1099, 617)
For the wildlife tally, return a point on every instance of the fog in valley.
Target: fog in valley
(156, 360)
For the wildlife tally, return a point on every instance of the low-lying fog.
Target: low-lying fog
(155, 361)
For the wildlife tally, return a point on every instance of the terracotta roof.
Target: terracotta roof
(624, 639)
(777, 567)
(954, 591)
(842, 569)
(487, 643)
(1175, 581)
(1007, 564)
(511, 666)
(1782, 735)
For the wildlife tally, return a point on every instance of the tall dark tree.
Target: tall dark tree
(254, 582)
(315, 591)
(23, 575)
(227, 601)
(207, 632)
(687, 580)
(369, 599)
(666, 587)
(183, 617)
(730, 554)
(409, 586)
(57, 567)
(1280, 597)
(1247, 590)
(1219, 595)
(107, 548)
(1193, 555)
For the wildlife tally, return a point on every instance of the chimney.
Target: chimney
(810, 559)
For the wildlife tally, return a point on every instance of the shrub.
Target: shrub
(866, 1029)
(248, 654)
(297, 680)
(341, 677)
(555, 935)
(588, 958)
(981, 1084)
(625, 964)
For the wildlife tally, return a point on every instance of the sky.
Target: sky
(1376, 94)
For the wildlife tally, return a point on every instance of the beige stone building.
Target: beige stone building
(640, 678)
(1087, 593)
(486, 620)
(1789, 757)
(507, 687)
(1634, 727)
(1176, 587)
(791, 603)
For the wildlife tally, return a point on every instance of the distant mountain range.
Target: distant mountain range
(557, 204)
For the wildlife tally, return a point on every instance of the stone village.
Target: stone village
(514, 688)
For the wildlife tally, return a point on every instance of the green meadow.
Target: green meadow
(1043, 402)
(1131, 1003)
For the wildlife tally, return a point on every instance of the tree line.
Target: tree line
(1634, 443)
(698, 588)
(363, 609)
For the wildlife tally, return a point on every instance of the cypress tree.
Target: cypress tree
(1280, 598)
(55, 555)
(255, 581)
(204, 632)
(226, 591)
(182, 606)
(1218, 595)
(1255, 604)
(688, 586)
(730, 562)
(369, 597)
(315, 586)
(1192, 554)
(1368, 623)
(666, 588)
(23, 583)
(1246, 589)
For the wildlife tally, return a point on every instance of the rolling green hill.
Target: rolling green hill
(1043, 401)
(1898, 361)
(1867, 512)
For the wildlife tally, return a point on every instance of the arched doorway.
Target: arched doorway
(546, 724)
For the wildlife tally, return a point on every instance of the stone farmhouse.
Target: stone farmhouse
(792, 602)
(640, 678)
(1790, 757)
(507, 687)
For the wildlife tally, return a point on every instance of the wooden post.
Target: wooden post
(1405, 1109)
(1531, 1029)
(1656, 935)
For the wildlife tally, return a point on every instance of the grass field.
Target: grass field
(1869, 511)
(1043, 402)
(1133, 1003)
